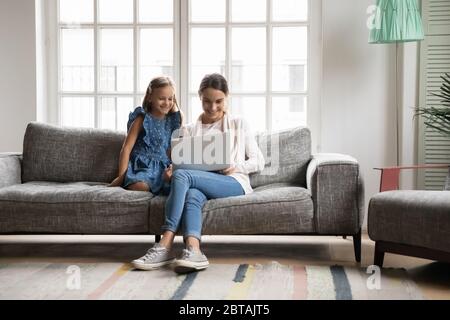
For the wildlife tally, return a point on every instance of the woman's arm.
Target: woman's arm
(127, 147)
(254, 159)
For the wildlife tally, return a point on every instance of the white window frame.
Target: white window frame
(182, 28)
(54, 27)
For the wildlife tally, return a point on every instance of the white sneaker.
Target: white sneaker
(191, 260)
(156, 257)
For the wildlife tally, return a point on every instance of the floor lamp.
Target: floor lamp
(397, 21)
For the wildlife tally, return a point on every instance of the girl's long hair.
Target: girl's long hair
(160, 82)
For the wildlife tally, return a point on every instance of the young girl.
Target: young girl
(144, 163)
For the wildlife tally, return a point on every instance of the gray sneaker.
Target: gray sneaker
(191, 260)
(157, 256)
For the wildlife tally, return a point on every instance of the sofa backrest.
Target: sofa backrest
(287, 154)
(51, 153)
(58, 154)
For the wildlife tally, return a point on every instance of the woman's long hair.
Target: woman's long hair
(215, 81)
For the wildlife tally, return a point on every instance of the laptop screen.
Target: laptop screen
(207, 152)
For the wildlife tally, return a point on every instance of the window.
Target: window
(107, 56)
(108, 50)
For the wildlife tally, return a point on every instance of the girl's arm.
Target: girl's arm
(127, 147)
(174, 109)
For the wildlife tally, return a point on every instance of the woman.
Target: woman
(190, 189)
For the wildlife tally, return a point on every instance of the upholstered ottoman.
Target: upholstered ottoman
(410, 222)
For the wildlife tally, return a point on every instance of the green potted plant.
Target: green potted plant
(438, 118)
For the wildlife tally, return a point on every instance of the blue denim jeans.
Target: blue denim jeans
(189, 191)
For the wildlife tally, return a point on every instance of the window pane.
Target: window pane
(109, 107)
(125, 105)
(253, 109)
(155, 11)
(288, 10)
(207, 54)
(115, 11)
(248, 59)
(76, 11)
(77, 60)
(290, 50)
(248, 10)
(288, 112)
(195, 108)
(155, 62)
(208, 10)
(77, 112)
(107, 113)
(116, 60)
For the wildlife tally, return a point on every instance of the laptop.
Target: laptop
(206, 153)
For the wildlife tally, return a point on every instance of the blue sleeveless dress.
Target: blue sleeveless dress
(149, 157)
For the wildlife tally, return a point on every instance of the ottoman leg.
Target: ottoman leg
(379, 255)
(357, 245)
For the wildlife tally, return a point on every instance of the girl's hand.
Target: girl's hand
(117, 182)
(228, 171)
(167, 175)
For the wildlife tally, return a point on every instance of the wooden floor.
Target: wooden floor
(433, 278)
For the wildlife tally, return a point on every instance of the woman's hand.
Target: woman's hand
(228, 171)
(167, 175)
(117, 182)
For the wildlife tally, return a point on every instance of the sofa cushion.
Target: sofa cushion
(58, 154)
(287, 154)
(49, 207)
(273, 209)
(412, 217)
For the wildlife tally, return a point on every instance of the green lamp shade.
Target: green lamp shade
(397, 21)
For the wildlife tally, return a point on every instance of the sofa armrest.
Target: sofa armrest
(10, 169)
(337, 190)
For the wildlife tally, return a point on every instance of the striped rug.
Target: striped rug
(272, 281)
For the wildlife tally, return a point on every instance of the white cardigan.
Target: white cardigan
(246, 156)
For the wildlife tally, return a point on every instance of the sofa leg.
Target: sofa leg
(157, 238)
(357, 245)
(379, 255)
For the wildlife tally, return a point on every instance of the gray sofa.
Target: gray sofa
(58, 185)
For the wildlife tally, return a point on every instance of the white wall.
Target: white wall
(17, 71)
(358, 93)
(409, 101)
